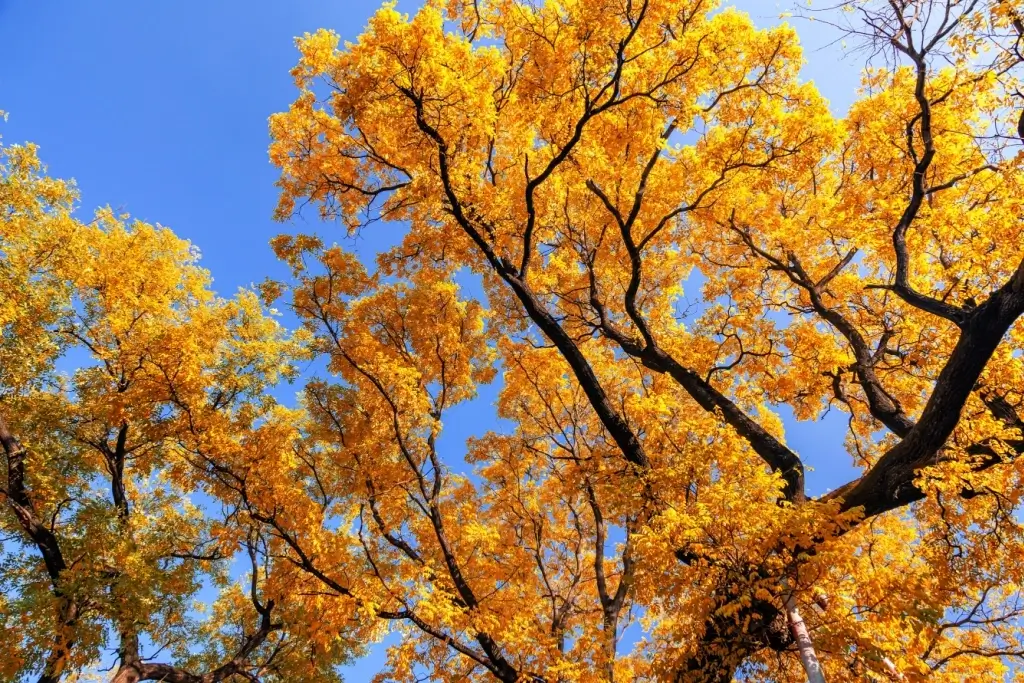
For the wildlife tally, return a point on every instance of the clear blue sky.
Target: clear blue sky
(160, 109)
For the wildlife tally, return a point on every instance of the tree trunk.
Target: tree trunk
(610, 642)
(804, 646)
(126, 673)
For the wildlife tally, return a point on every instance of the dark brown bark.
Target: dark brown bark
(890, 482)
(133, 669)
(46, 542)
(727, 642)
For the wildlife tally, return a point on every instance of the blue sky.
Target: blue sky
(160, 109)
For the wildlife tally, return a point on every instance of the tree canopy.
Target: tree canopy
(673, 244)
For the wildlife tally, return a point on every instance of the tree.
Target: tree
(592, 162)
(585, 166)
(110, 532)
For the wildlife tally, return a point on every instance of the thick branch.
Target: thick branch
(45, 541)
(617, 427)
(890, 483)
(881, 404)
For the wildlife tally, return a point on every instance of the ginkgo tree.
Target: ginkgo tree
(601, 166)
